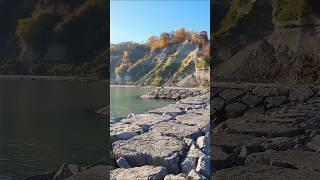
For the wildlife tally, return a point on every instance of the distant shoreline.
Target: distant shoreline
(153, 87)
(55, 78)
(130, 86)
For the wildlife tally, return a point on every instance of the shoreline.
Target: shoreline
(54, 78)
(178, 114)
(184, 123)
(129, 86)
(157, 87)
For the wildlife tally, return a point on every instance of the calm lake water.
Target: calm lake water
(45, 123)
(125, 100)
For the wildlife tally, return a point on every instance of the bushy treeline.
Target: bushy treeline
(176, 36)
(66, 36)
(79, 27)
(159, 60)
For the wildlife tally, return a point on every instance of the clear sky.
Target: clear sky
(137, 20)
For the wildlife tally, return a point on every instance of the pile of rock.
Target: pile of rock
(172, 142)
(174, 93)
(262, 130)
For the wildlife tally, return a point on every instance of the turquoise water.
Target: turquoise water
(125, 100)
(45, 123)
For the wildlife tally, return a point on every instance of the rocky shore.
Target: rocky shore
(174, 93)
(168, 143)
(265, 130)
(171, 143)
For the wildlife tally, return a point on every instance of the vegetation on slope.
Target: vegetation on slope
(158, 60)
(288, 10)
(185, 63)
(238, 9)
(201, 64)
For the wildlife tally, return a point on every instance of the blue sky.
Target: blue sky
(137, 20)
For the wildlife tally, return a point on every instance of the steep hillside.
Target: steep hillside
(49, 37)
(163, 61)
(280, 42)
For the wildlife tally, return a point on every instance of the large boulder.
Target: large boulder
(151, 149)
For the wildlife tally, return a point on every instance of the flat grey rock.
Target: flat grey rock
(121, 131)
(174, 129)
(146, 120)
(201, 121)
(151, 149)
(141, 173)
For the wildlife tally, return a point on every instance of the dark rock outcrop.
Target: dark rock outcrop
(278, 136)
(279, 44)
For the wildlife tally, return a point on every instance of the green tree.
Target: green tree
(32, 30)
